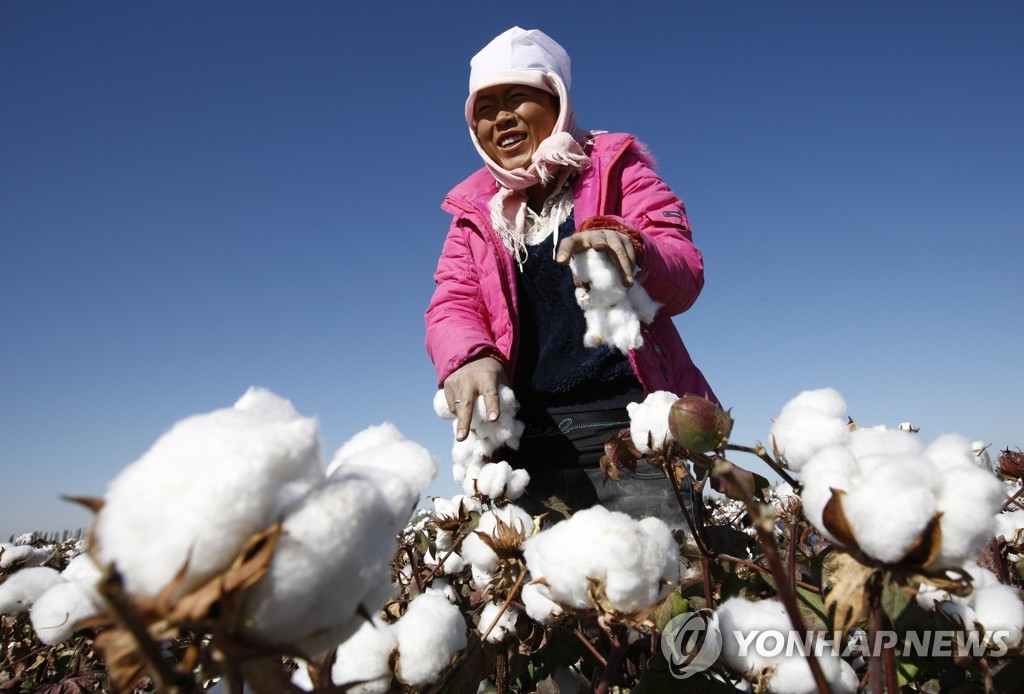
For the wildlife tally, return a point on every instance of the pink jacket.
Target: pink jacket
(474, 310)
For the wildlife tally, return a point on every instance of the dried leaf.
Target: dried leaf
(736, 482)
(619, 452)
(122, 657)
(834, 519)
(849, 581)
(201, 605)
(92, 503)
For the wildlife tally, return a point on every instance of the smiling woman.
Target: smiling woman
(504, 311)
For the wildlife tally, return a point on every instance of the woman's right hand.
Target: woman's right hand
(478, 377)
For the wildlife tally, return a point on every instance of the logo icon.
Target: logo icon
(691, 642)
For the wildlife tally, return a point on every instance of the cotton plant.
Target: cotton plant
(602, 559)
(785, 673)
(892, 498)
(57, 601)
(990, 608)
(484, 436)
(362, 663)
(13, 556)
(613, 313)
(500, 532)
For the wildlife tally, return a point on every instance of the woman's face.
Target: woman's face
(511, 122)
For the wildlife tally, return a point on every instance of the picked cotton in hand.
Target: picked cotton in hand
(484, 436)
(613, 314)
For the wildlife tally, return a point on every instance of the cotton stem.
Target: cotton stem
(763, 455)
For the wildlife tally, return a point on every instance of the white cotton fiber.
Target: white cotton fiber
(429, 634)
(632, 561)
(484, 436)
(384, 447)
(334, 555)
(539, 605)
(833, 467)
(499, 480)
(477, 552)
(364, 658)
(56, 613)
(22, 555)
(203, 489)
(998, 607)
(888, 520)
(505, 626)
(808, 423)
(1009, 526)
(22, 588)
(450, 507)
(740, 617)
(648, 421)
(866, 442)
(969, 499)
(612, 313)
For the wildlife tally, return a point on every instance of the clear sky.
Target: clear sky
(200, 196)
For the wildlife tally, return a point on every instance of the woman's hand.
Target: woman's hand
(478, 377)
(617, 245)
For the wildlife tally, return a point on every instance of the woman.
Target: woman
(504, 311)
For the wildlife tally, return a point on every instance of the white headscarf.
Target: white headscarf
(532, 58)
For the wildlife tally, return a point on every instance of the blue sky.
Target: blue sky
(196, 197)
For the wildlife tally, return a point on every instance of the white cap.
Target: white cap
(524, 56)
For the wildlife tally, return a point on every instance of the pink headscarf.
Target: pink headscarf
(532, 58)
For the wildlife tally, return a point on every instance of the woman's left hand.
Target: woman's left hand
(617, 245)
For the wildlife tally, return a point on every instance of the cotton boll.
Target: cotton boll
(741, 616)
(539, 605)
(57, 612)
(450, 507)
(441, 587)
(631, 559)
(648, 421)
(159, 511)
(793, 676)
(21, 589)
(969, 499)
(951, 452)
(882, 441)
(477, 552)
(800, 432)
(364, 658)
(333, 556)
(998, 607)
(429, 634)
(888, 520)
(385, 448)
(22, 555)
(499, 480)
(831, 468)
(506, 624)
(1009, 526)
(827, 401)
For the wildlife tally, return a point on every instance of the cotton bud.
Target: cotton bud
(698, 424)
(1011, 464)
